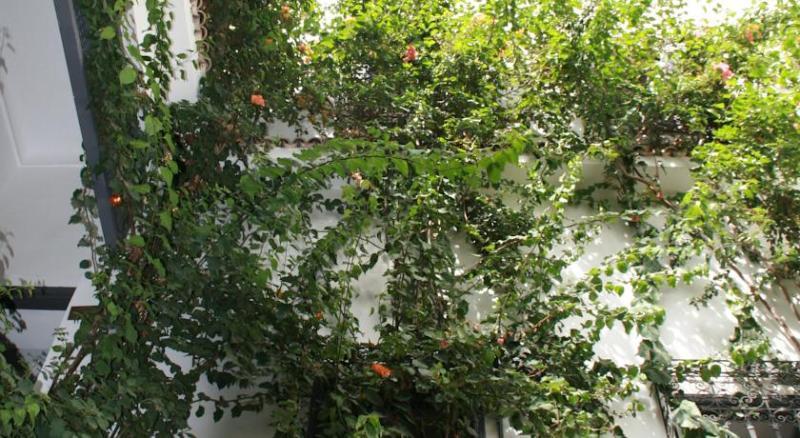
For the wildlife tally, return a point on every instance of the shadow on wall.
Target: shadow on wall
(5, 37)
(693, 332)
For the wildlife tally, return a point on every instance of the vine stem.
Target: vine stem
(787, 331)
(780, 320)
(788, 298)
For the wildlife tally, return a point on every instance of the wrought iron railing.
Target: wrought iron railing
(762, 392)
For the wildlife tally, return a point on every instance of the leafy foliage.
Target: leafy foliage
(226, 273)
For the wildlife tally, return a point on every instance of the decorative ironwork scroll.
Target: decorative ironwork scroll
(199, 17)
(763, 392)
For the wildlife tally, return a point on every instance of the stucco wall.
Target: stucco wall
(40, 145)
(35, 86)
(687, 332)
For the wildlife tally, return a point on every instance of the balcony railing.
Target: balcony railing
(748, 399)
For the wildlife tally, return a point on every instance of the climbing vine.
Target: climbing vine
(227, 273)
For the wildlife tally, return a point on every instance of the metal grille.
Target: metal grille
(765, 392)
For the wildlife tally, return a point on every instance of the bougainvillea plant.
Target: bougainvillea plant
(227, 274)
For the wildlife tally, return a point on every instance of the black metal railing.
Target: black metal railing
(762, 392)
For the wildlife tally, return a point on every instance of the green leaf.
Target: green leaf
(159, 267)
(136, 240)
(695, 211)
(173, 197)
(165, 218)
(141, 188)
(33, 410)
(107, 33)
(112, 308)
(139, 144)
(130, 332)
(152, 126)
(402, 166)
(19, 416)
(249, 185)
(495, 172)
(127, 75)
(166, 175)
(102, 368)
(5, 416)
(687, 415)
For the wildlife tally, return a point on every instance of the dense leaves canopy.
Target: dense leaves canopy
(228, 273)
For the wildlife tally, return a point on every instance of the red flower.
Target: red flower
(381, 370)
(258, 100)
(501, 340)
(443, 344)
(318, 315)
(411, 53)
(115, 199)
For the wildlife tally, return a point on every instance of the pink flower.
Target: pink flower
(724, 70)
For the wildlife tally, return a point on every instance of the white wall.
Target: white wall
(36, 91)
(8, 152)
(687, 332)
(183, 42)
(40, 146)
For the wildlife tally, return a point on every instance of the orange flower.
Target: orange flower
(318, 315)
(115, 199)
(268, 41)
(258, 100)
(443, 344)
(304, 48)
(381, 370)
(411, 53)
(501, 340)
(751, 32)
(286, 12)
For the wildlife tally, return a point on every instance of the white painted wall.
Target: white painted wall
(40, 146)
(687, 332)
(183, 42)
(8, 151)
(36, 91)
